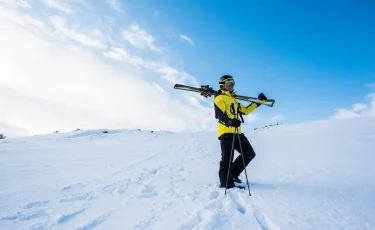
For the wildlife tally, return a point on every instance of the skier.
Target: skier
(226, 108)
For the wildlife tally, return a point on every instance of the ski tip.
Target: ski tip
(176, 85)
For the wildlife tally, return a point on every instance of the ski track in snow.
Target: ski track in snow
(117, 181)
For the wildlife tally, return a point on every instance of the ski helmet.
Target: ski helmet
(225, 80)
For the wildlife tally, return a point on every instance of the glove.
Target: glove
(234, 123)
(262, 97)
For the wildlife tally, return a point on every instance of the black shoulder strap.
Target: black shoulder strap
(237, 113)
(218, 93)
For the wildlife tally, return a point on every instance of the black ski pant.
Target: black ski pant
(237, 165)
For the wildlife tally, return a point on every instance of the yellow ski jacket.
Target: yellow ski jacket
(225, 105)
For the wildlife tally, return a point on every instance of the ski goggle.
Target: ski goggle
(229, 81)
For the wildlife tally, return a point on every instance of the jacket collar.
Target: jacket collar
(230, 94)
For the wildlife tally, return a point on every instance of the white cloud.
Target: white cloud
(139, 38)
(114, 4)
(84, 3)
(121, 54)
(249, 121)
(58, 5)
(358, 110)
(278, 117)
(62, 27)
(359, 107)
(159, 87)
(24, 20)
(47, 86)
(117, 54)
(15, 3)
(167, 72)
(252, 117)
(344, 114)
(173, 75)
(97, 33)
(186, 38)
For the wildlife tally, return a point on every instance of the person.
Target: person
(228, 111)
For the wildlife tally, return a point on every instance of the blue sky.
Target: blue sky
(315, 58)
(312, 57)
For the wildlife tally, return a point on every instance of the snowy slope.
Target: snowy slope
(317, 175)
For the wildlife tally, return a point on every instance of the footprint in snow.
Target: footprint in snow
(145, 224)
(26, 215)
(263, 221)
(67, 217)
(145, 174)
(76, 197)
(192, 223)
(216, 205)
(29, 211)
(148, 192)
(38, 226)
(153, 171)
(177, 178)
(94, 223)
(72, 187)
(210, 218)
(238, 204)
(213, 195)
(67, 188)
(123, 186)
(110, 188)
(118, 188)
(34, 204)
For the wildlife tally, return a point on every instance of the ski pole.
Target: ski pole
(230, 162)
(243, 161)
(236, 133)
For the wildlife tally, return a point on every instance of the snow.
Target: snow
(316, 175)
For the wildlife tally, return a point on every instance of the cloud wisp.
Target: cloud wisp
(139, 38)
(61, 26)
(359, 109)
(187, 39)
(58, 5)
(114, 4)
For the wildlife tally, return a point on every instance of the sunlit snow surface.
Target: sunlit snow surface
(318, 175)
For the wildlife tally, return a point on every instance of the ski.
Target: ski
(207, 91)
